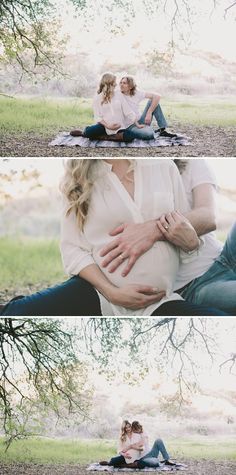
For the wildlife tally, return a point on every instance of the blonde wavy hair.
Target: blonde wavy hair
(107, 86)
(77, 185)
(123, 434)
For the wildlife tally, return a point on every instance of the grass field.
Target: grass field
(51, 451)
(27, 262)
(24, 115)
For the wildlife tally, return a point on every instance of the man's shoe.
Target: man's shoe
(168, 462)
(76, 133)
(164, 133)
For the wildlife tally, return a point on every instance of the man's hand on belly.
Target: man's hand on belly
(132, 241)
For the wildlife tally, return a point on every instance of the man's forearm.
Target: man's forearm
(203, 220)
(154, 103)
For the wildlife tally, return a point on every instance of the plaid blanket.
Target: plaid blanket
(95, 467)
(66, 140)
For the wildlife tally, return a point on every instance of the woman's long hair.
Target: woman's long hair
(107, 86)
(123, 434)
(77, 185)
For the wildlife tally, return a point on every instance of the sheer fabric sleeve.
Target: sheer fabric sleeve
(76, 252)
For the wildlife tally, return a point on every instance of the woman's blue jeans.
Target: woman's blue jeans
(151, 458)
(94, 132)
(217, 287)
(74, 297)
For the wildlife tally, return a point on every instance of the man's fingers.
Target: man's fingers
(129, 266)
(113, 256)
(117, 230)
(109, 247)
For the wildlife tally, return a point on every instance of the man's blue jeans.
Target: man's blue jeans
(147, 132)
(157, 113)
(217, 287)
(151, 458)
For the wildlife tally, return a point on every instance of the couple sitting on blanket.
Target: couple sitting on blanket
(133, 449)
(117, 113)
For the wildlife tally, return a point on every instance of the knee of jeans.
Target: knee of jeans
(141, 464)
(87, 131)
(148, 134)
(158, 441)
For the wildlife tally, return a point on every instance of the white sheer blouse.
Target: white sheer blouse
(158, 190)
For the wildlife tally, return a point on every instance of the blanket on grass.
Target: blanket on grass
(64, 139)
(95, 467)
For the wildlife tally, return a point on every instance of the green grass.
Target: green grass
(25, 262)
(43, 115)
(34, 115)
(201, 112)
(42, 450)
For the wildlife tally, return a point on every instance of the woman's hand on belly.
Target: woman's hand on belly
(132, 241)
(135, 296)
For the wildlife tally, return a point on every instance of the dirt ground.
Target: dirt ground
(195, 467)
(206, 141)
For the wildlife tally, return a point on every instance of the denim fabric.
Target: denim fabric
(94, 132)
(157, 113)
(146, 133)
(182, 308)
(75, 297)
(217, 287)
(151, 458)
(117, 461)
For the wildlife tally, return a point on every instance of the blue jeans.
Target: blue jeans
(217, 287)
(117, 461)
(151, 458)
(157, 113)
(147, 132)
(75, 297)
(94, 132)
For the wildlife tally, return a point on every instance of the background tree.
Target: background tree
(29, 28)
(39, 373)
(154, 343)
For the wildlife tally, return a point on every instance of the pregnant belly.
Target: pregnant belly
(157, 267)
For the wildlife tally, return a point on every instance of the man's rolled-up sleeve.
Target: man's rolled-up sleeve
(76, 252)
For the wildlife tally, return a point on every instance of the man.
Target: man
(211, 278)
(134, 97)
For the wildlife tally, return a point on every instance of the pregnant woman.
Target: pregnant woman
(115, 119)
(100, 194)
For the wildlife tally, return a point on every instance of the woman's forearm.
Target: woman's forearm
(97, 279)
